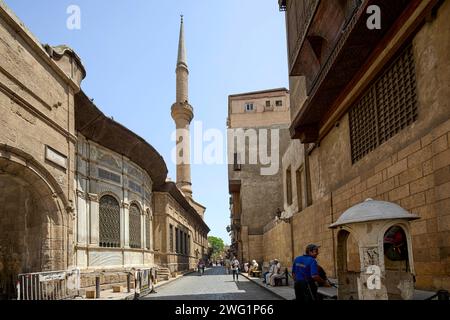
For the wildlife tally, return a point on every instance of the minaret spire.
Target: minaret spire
(182, 60)
(182, 114)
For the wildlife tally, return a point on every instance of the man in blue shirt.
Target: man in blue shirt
(306, 274)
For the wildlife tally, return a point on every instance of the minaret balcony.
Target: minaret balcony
(182, 111)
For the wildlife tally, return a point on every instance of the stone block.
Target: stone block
(117, 289)
(385, 175)
(418, 227)
(414, 147)
(421, 255)
(432, 225)
(383, 165)
(90, 294)
(444, 254)
(442, 129)
(422, 184)
(414, 201)
(411, 174)
(370, 193)
(420, 156)
(374, 180)
(441, 160)
(427, 167)
(397, 168)
(361, 187)
(442, 176)
(440, 144)
(443, 223)
(386, 186)
(399, 193)
(426, 140)
(443, 191)
(425, 212)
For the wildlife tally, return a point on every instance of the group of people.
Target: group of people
(306, 272)
(201, 265)
(273, 273)
(250, 267)
(233, 266)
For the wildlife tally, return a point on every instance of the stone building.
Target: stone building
(38, 139)
(255, 197)
(370, 110)
(79, 190)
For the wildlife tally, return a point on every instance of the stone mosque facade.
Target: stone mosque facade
(79, 190)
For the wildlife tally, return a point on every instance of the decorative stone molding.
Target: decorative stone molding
(81, 194)
(125, 205)
(93, 197)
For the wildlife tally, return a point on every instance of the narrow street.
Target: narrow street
(215, 284)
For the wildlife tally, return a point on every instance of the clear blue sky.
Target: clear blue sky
(129, 49)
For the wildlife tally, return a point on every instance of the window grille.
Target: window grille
(289, 186)
(388, 106)
(189, 245)
(236, 162)
(182, 242)
(134, 186)
(109, 223)
(171, 238)
(279, 103)
(135, 227)
(177, 242)
(107, 175)
(300, 179)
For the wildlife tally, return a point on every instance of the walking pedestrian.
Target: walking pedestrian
(228, 265)
(235, 269)
(306, 274)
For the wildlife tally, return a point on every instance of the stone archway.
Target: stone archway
(33, 232)
(348, 265)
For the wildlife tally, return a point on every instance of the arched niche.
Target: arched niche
(34, 220)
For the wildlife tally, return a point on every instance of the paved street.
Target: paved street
(215, 284)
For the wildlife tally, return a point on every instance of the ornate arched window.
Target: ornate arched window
(109, 223)
(135, 226)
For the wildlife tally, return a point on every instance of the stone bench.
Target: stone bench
(284, 276)
(255, 274)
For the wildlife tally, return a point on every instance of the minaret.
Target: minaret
(182, 114)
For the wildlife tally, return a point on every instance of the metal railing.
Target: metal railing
(144, 281)
(55, 285)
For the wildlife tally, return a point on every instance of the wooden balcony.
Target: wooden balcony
(329, 44)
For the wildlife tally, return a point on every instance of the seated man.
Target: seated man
(276, 272)
(269, 273)
(253, 267)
